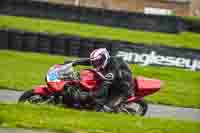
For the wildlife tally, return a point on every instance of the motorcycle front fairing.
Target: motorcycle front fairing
(54, 79)
(88, 78)
(41, 90)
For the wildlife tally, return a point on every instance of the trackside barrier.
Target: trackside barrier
(71, 45)
(3, 39)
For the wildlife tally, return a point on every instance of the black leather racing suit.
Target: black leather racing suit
(117, 85)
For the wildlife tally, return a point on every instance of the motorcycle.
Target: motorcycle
(62, 77)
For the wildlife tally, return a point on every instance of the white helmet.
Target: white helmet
(99, 58)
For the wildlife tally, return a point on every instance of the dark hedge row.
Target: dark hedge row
(170, 24)
(192, 23)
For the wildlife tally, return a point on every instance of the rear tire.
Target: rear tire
(139, 107)
(143, 106)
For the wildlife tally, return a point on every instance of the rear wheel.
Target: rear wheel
(136, 108)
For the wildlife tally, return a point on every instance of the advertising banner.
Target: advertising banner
(160, 56)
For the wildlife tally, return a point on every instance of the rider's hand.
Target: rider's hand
(67, 62)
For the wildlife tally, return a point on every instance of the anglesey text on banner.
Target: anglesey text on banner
(153, 58)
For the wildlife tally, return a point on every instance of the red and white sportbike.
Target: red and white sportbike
(62, 77)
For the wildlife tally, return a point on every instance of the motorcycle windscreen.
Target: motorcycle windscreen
(146, 86)
(89, 80)
(53, 76)
(57, 71)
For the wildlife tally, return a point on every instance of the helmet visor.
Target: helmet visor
(96, 63)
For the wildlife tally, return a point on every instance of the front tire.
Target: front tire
(30, 97)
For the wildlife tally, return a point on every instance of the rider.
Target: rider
(117, 82)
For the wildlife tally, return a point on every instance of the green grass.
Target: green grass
(68, 121)
(22, 71)
(184, 39)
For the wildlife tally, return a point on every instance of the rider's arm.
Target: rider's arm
(83, 61)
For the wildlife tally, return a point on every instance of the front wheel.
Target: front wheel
(30, 97)
(139, 107)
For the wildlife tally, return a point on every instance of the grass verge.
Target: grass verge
(22, 71)
(185, 39)
(73, 121)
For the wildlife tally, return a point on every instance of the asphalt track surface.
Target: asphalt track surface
(7, 96)
(18, 130)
